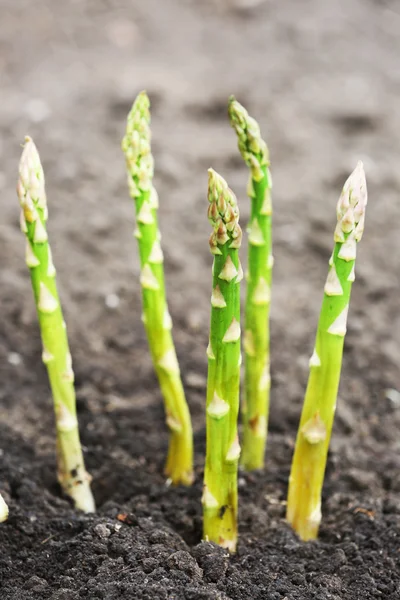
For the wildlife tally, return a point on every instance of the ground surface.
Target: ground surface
(324, 81)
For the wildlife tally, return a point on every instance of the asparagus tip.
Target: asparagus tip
(251, 145)
(30, 187)
(351, 206)
(216, 183)
(142, 100)
(223, 213)
(136, 146)
(237, 112)
(141, 105)
(30, 155)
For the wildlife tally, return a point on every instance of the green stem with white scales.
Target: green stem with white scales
(255, 405)
(222, 455)
(72, 474)
(312, 444)
(156, 318)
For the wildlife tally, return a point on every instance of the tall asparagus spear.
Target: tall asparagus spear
(72, 475)
(3, 510)
(309, 461)
(255, 406)
(157, 321)
(223, 450)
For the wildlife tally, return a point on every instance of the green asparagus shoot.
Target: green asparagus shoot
(156, 318)
(309, 461)
(255, 404)
(72, 474)
(222, 455)
(3, 510)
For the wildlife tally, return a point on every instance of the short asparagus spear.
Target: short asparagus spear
(72, 474)
(157, 321)
(309, 461)
(223, 450)
(255, 405)
(3, 510)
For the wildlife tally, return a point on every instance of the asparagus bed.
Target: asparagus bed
(311, 450)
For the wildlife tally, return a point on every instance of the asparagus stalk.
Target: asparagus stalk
(255, 405)
(309, 461)
(156, 318)
(72, 474)
(3, 510)
(222, 455)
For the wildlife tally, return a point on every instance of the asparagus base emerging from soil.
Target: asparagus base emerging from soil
(72, 474)
(156, 318)
(255, 405)
(223, 450)
(3, 510)
(309, 461)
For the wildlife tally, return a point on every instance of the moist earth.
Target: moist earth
(323, 80)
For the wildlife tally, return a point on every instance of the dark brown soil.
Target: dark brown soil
(323, 79)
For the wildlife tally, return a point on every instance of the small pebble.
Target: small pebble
(102, 531)
(14, 358)
(393, 396)
(112, 301)
(195, 322)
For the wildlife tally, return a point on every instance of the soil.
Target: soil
(322, 77)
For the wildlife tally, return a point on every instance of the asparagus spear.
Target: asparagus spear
(255, 406)
(309, 461)
(3, 510)
(72, 475)
(157, 321)
(220, 478)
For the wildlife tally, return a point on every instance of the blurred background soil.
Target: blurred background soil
(323, 79)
